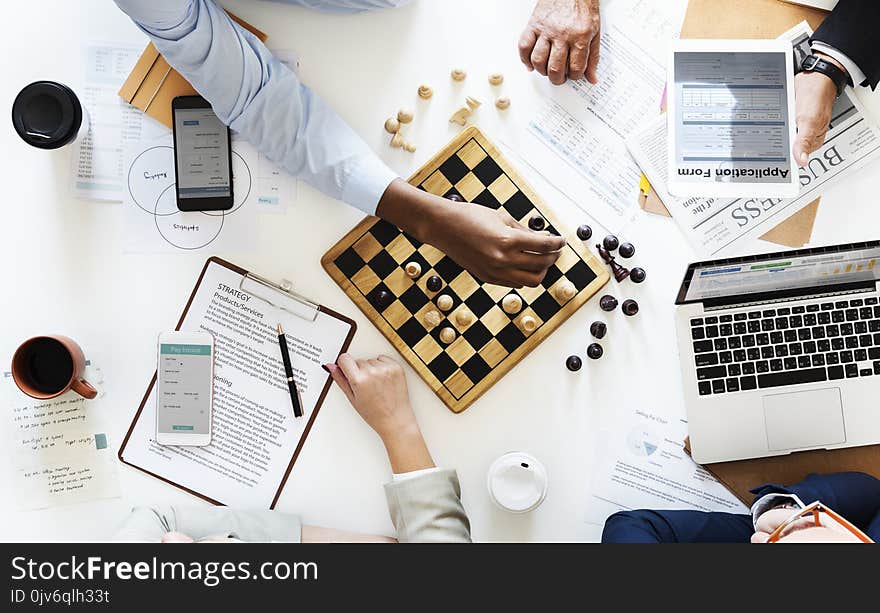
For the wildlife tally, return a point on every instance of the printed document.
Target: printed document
(254, 432)
(644, 466)
(584, 125)
(731, 109)
(717, 227)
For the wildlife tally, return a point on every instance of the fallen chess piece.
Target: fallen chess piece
(409, 147)
(392, 126)
(461, 115)
(620, 273)
(397, 140)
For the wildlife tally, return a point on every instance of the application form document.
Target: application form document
(731, 118)
(724, 226)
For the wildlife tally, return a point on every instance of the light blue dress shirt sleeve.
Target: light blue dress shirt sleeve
(257, 96)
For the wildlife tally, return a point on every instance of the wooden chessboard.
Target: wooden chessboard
(371, 258)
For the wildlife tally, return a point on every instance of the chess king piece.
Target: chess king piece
(620, 273)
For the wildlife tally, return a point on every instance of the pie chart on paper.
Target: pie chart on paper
(642, 442)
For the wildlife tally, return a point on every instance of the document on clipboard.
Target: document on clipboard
(256, 440)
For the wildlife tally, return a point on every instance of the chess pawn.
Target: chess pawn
(529, 323)
(620, 273)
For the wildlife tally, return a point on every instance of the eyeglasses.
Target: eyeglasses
(821, 517)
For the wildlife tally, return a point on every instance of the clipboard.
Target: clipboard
(280, 296)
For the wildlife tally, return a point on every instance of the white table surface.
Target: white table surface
(65, 272)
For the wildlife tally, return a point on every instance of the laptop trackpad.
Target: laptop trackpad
(804, 419)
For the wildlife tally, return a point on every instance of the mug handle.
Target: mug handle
(84, 389)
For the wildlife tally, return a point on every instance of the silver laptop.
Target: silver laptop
(781, 352)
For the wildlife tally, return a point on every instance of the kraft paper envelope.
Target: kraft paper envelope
(153, 84)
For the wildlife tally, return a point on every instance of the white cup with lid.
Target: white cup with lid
(517, 482)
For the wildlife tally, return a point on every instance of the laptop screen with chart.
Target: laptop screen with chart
(826, 268)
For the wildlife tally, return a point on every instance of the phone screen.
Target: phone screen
(185, 384)
(202, 149)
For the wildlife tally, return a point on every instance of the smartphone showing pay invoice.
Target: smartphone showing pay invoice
(202, 156)
(730, 113)
(185, 388)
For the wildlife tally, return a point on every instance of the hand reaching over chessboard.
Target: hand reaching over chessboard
(490, 244)
(443, 306)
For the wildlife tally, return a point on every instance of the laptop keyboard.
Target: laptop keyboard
(770, 347)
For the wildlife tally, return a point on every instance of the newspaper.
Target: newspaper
(721, 226)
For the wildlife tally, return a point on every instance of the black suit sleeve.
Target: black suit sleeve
(852, 29)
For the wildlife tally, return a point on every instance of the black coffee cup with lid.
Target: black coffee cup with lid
(48, 115)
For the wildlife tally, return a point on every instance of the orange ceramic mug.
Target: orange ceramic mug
(47, 366)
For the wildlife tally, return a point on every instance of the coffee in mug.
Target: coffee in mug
(44, 367)
(48, 115)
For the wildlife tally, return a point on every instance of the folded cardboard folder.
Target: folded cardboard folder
(757, 19)
(153, 84)
(740, 477)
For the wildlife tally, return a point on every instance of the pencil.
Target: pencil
(288, 371)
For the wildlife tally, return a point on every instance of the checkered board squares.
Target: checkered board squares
(372, 257)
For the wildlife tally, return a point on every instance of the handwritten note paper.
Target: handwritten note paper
(59, 452)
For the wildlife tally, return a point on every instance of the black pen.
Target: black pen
(288, 371)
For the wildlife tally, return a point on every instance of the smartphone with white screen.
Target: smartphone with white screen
(202, 156)
(185, 388)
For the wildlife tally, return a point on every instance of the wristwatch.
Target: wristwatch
(839, 77)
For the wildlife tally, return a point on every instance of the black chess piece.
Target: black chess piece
(637, 275)
(584, 232)
(595, 351)
(573, 363)
(620, 273)
(382, 299)
(434, 283)
(610, 242)
(626, 250)
(629, 307)
(607, 303)
(454, 197)
(598, 329)
(536, 223)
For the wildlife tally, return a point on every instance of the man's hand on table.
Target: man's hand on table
(814, 96)
(562, 40)
(489, 243)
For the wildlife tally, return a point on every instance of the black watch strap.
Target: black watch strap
(812, 63)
